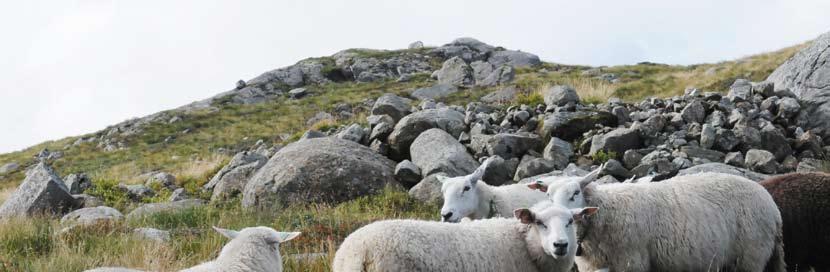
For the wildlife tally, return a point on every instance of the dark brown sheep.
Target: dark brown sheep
(804, 202)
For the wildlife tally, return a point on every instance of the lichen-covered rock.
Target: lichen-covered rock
(559, 151)
(320, 170)
(392, 105)
(761, 160)
(41, 192)
(436, 151)
(407, 173)
(616, 141)
(570, 126)
(91, 217)
(560, 95)
(77, 183)
(513, 145)
(455, 71)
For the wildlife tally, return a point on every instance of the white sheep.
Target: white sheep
(496, 244)
(702, 222)
(467, 196)
(250, 249)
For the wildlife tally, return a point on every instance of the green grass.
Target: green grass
(31, 244)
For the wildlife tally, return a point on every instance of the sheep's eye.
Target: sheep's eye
(540, 224)
(570, 222)
(466, 188)
(576, 193)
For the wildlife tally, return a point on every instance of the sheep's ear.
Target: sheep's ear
(582, 213)
(590, 177)
(226, 232)
(538, 185)
(441, 178)
(478, 174)
(524, 215)
(287, 236)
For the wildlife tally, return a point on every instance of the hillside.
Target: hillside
(214, 134)
(330, 95)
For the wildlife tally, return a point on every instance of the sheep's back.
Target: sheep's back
(409, 245)
(683, 222)
(804, 202)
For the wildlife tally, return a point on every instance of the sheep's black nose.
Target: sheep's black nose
(447, 216)
(560, 245)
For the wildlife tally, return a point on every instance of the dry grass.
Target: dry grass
(6, 192)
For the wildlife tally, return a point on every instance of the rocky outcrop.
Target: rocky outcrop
(807, 75)
(42, 192)
(320, 170)
(409, 127)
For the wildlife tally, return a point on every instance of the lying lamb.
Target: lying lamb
(497, 244)
(250, 249)
(467, 196)
(703, 222)
(802, 200)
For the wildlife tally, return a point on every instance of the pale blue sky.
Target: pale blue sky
(74, 67)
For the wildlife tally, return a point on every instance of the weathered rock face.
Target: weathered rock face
(455, 71)
(513, 145)
(761, 160)
(569, 126)
(617, 141)
(436, 151)
(435, 91)
(428, 190)
(164, 207)
(231, 179)
(807, 75)
(514, 58)
(41, 192)
(560, 95)
(558, 151)
(321, 170)
(409, 127)
(407, 173)
(390, 104)
(77, 183)
(91, 216)
(504, 95)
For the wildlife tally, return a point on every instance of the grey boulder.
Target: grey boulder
(436, 151)
(320, 170)
(41, 192)
(390, 104)
(231, 179)
(560, 95)
(409, 127)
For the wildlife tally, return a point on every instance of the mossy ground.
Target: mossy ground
(195, 155)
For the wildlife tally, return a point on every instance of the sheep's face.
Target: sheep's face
(568, 195)
(555, 226)
(461, 198)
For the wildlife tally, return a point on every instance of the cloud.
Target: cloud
(74, 67)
